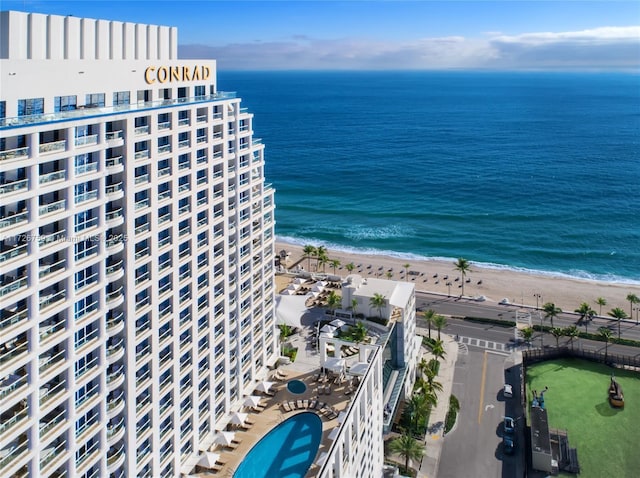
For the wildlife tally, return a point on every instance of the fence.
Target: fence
(615, 360)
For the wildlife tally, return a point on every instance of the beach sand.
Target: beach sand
(518, 287)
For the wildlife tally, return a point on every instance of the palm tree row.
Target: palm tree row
(322, 259)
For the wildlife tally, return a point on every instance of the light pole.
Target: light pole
(449, 286)
(538, 297)
(637, 309)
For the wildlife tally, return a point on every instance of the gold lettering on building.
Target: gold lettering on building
(164, 74)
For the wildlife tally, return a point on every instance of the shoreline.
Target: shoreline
(520, 287)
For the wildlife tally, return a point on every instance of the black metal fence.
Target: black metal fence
(549, 353)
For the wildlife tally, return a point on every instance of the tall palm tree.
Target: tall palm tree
(440, 323)
(463, 266)
(377, 302)
(586, 313)
(350, 266)
(601, 301)
(358, 332)
(429, 317)
(550, 311)
(389, 275)
(429, 372)
(418, 408)
(354, 306)
(437, 349)
(557, 333)
(527, 335)
(407, 447)
(406, 275)
(633, 299)
(606, 334)
(333, 301)
(334, 263)
(322, 261)
(321, 252)
(309, 251)
(618, 314)
(571, 332)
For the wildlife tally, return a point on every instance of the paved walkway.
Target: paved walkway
(435, 432)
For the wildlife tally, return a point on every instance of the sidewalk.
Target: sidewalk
(433, 439)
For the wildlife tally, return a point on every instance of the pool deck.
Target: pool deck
(305, 368)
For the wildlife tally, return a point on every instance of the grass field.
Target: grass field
(606, 438)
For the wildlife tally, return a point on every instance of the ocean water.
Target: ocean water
(531, 171)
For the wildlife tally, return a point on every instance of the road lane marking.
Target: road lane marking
(484, 376)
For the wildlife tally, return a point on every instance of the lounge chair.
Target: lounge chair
(299, 404)
(305, 403)
(285, 406)
(312, 404)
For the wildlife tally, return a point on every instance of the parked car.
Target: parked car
(505, 302)
(508, 390)
(509, 425)
(508, 444)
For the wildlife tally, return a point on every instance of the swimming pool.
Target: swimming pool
(296, 386)
(287, 451)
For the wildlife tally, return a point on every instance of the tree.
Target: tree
(463, 266)
(309, 251)
(429, 317)
(429, 372)
(377, 302)
(633, 299)
(606, 334)
(618, 314)
(418, 408)
(407, 447)
(440, 322)
(285, 331)
(334, 263)
(389, 275)
(550, 311)
(333, 301)
(321, 252)
(601, 301)
(358, 332)
(586, 314)
(322, 261)
(571, 332)
(406, 275)
(557, 333)
(527, 335)
(437, 349)
(350, 266)
(354, 306)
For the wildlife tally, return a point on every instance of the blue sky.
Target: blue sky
(393, 34)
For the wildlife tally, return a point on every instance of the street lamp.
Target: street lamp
(637, 309)
(449, 284)
(538, 297)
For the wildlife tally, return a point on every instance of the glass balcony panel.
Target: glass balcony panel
(53, 146)
(16, 153)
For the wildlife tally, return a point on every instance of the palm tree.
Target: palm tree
(429, 372)
(601, 301)
(285, 331)
(463, 266)
(437, 349)
(440, 323)
(377, 302)
(354, 306)
(406, 275)
(407, 447)
(418, 408)
(358, 332)
(333, 301)
(389, 275)
(527, 335)
(557, 333)
(550, 311)
(618, 314)
(633, 299)
(350, 266)
(606, 334)
(571, 332)
(334, 263)
(321, 251)
(323, 260)
(429, 317)
(309, 251)
(586, 313)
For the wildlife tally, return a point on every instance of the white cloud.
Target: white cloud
(605, 47)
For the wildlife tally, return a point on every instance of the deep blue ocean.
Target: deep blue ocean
(530, 171)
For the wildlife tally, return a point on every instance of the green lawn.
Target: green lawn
(606, 438)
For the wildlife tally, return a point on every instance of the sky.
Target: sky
(384, 34)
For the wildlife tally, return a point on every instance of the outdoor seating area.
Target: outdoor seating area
(321, 408)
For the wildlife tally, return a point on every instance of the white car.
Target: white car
(505, 302)
(507, 391)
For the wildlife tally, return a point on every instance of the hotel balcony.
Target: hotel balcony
(52, 208)
(86, 140)
(10, 385)
(86, 168)
(114, 323)
(52, 147)
(52, 455)
(115, 403)
(114, 164)
(115, 377)
(115, 217)
(50, 298)
(114, 138)
(115, 349)
(17, 153)
(10, 284)
(141, 130)
(53, 266)
(54, 176)
(51, 391)
(51, 328)
(52, 423)
(11, 453)
(115, 430)
(14, 419)
(114, 243)
(164, 125)
(114, 191)
(142, 179)
(88, 458)
(144, 154)
(164, 149)
(14, 186)
(51, 360)
(14, 218)
(114, 271)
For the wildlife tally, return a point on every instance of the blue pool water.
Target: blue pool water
(287, 451)
(296, 386)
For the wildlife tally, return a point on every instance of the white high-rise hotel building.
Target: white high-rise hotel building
(136, 250)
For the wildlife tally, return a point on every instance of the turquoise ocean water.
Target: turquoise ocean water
(530, 171)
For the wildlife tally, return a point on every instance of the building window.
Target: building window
(121, 98)
(94, 100)
(199, 91)
(3, 109)
(31, 106)
(65, 103)
(144, 95)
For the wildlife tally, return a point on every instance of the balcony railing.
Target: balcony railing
(164, 125)
(53, 146)
(14, 186)
(113, 188)
(113, 215)
(87, 140)
(13, 286)
(50, 329)
(138, 130)
(15, 218)
(86, 168)
(51, 177)
(13, 253)
(142, 154)
(113, 135)
(86, 196)
(113, 162)
(53, 207)
(165, 148)
(47, 394)
(16, 153)
(14, 318)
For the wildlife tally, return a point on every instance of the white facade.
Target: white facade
(136, 250)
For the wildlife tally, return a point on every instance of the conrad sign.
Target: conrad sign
(168, 74)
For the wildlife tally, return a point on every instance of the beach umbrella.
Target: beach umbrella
(208, 459)
(299, 281)
(224, 438)
(238, 418)
(337, 323)
(251, 401)
(317, 288)
(329, 329)
(288, 292)
(264, 386)
(293, 286)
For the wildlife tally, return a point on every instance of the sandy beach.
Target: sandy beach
(518, 287)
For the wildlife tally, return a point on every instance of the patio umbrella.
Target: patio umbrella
(208, 459)
(224, 438)
(264, 386)
(317, 288)
(251, 401)
(359, 368)
(299, 281)
(238, 418)
(334, 364)
(293, 286)
(337, 323)
(288, 292)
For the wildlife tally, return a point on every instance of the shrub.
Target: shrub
(454, 408)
